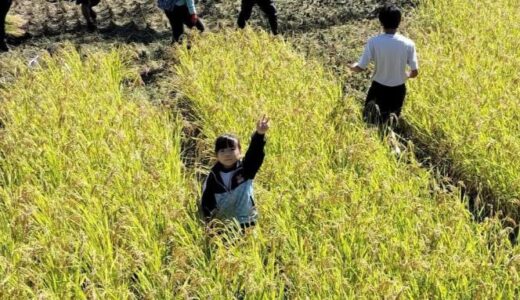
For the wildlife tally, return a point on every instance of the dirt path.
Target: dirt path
(61, 16)
(54, 17)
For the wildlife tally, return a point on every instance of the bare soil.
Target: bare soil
(54, 17)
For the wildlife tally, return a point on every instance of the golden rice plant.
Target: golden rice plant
(340, 216)
(94, 202)
(465, 103)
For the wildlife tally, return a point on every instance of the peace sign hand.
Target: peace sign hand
(262, 125)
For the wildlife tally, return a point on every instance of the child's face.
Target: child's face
(228, 157)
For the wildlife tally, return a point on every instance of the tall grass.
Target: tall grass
(95, 203)
(465, 103)
(93, 199)
(340, 217)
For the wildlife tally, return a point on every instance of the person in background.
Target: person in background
(392, 53)
(5, 5)
(180, 13)
(227, 192)
(267, 6)
(88, 13)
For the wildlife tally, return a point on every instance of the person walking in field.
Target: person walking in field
(227, 192)
(392, 53)
(88, 13)
(267, 6)
(5, 5)
(180, 13)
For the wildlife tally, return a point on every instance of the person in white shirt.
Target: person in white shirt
(392, 53)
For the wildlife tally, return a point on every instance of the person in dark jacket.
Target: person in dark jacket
(5, 5)
(227, 193)
(180, 13)
(267, 6)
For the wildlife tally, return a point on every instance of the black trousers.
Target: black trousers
(5, 5)
(179, 17)
(267, 6)
(382, 101)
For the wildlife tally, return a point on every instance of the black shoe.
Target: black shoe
(91, 27)
(274, 30)
(3, 47)
(181, 39)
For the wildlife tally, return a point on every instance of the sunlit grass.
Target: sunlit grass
(93, 200)
(340, 217)
(465, 103)
(14, 25)
(95, 203)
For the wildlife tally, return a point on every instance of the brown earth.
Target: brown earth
(54, 17)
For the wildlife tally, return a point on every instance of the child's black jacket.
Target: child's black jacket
(245, 172)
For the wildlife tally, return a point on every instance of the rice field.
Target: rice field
(92, 184)
(331, 184)
(103, 148)
(460, 111)
(466, 104)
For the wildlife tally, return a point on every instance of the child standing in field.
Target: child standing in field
(391, 53)
(4, 8)
(267, 6)
(227, 193)
(180, 13)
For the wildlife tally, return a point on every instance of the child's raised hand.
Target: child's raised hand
(262, 125)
